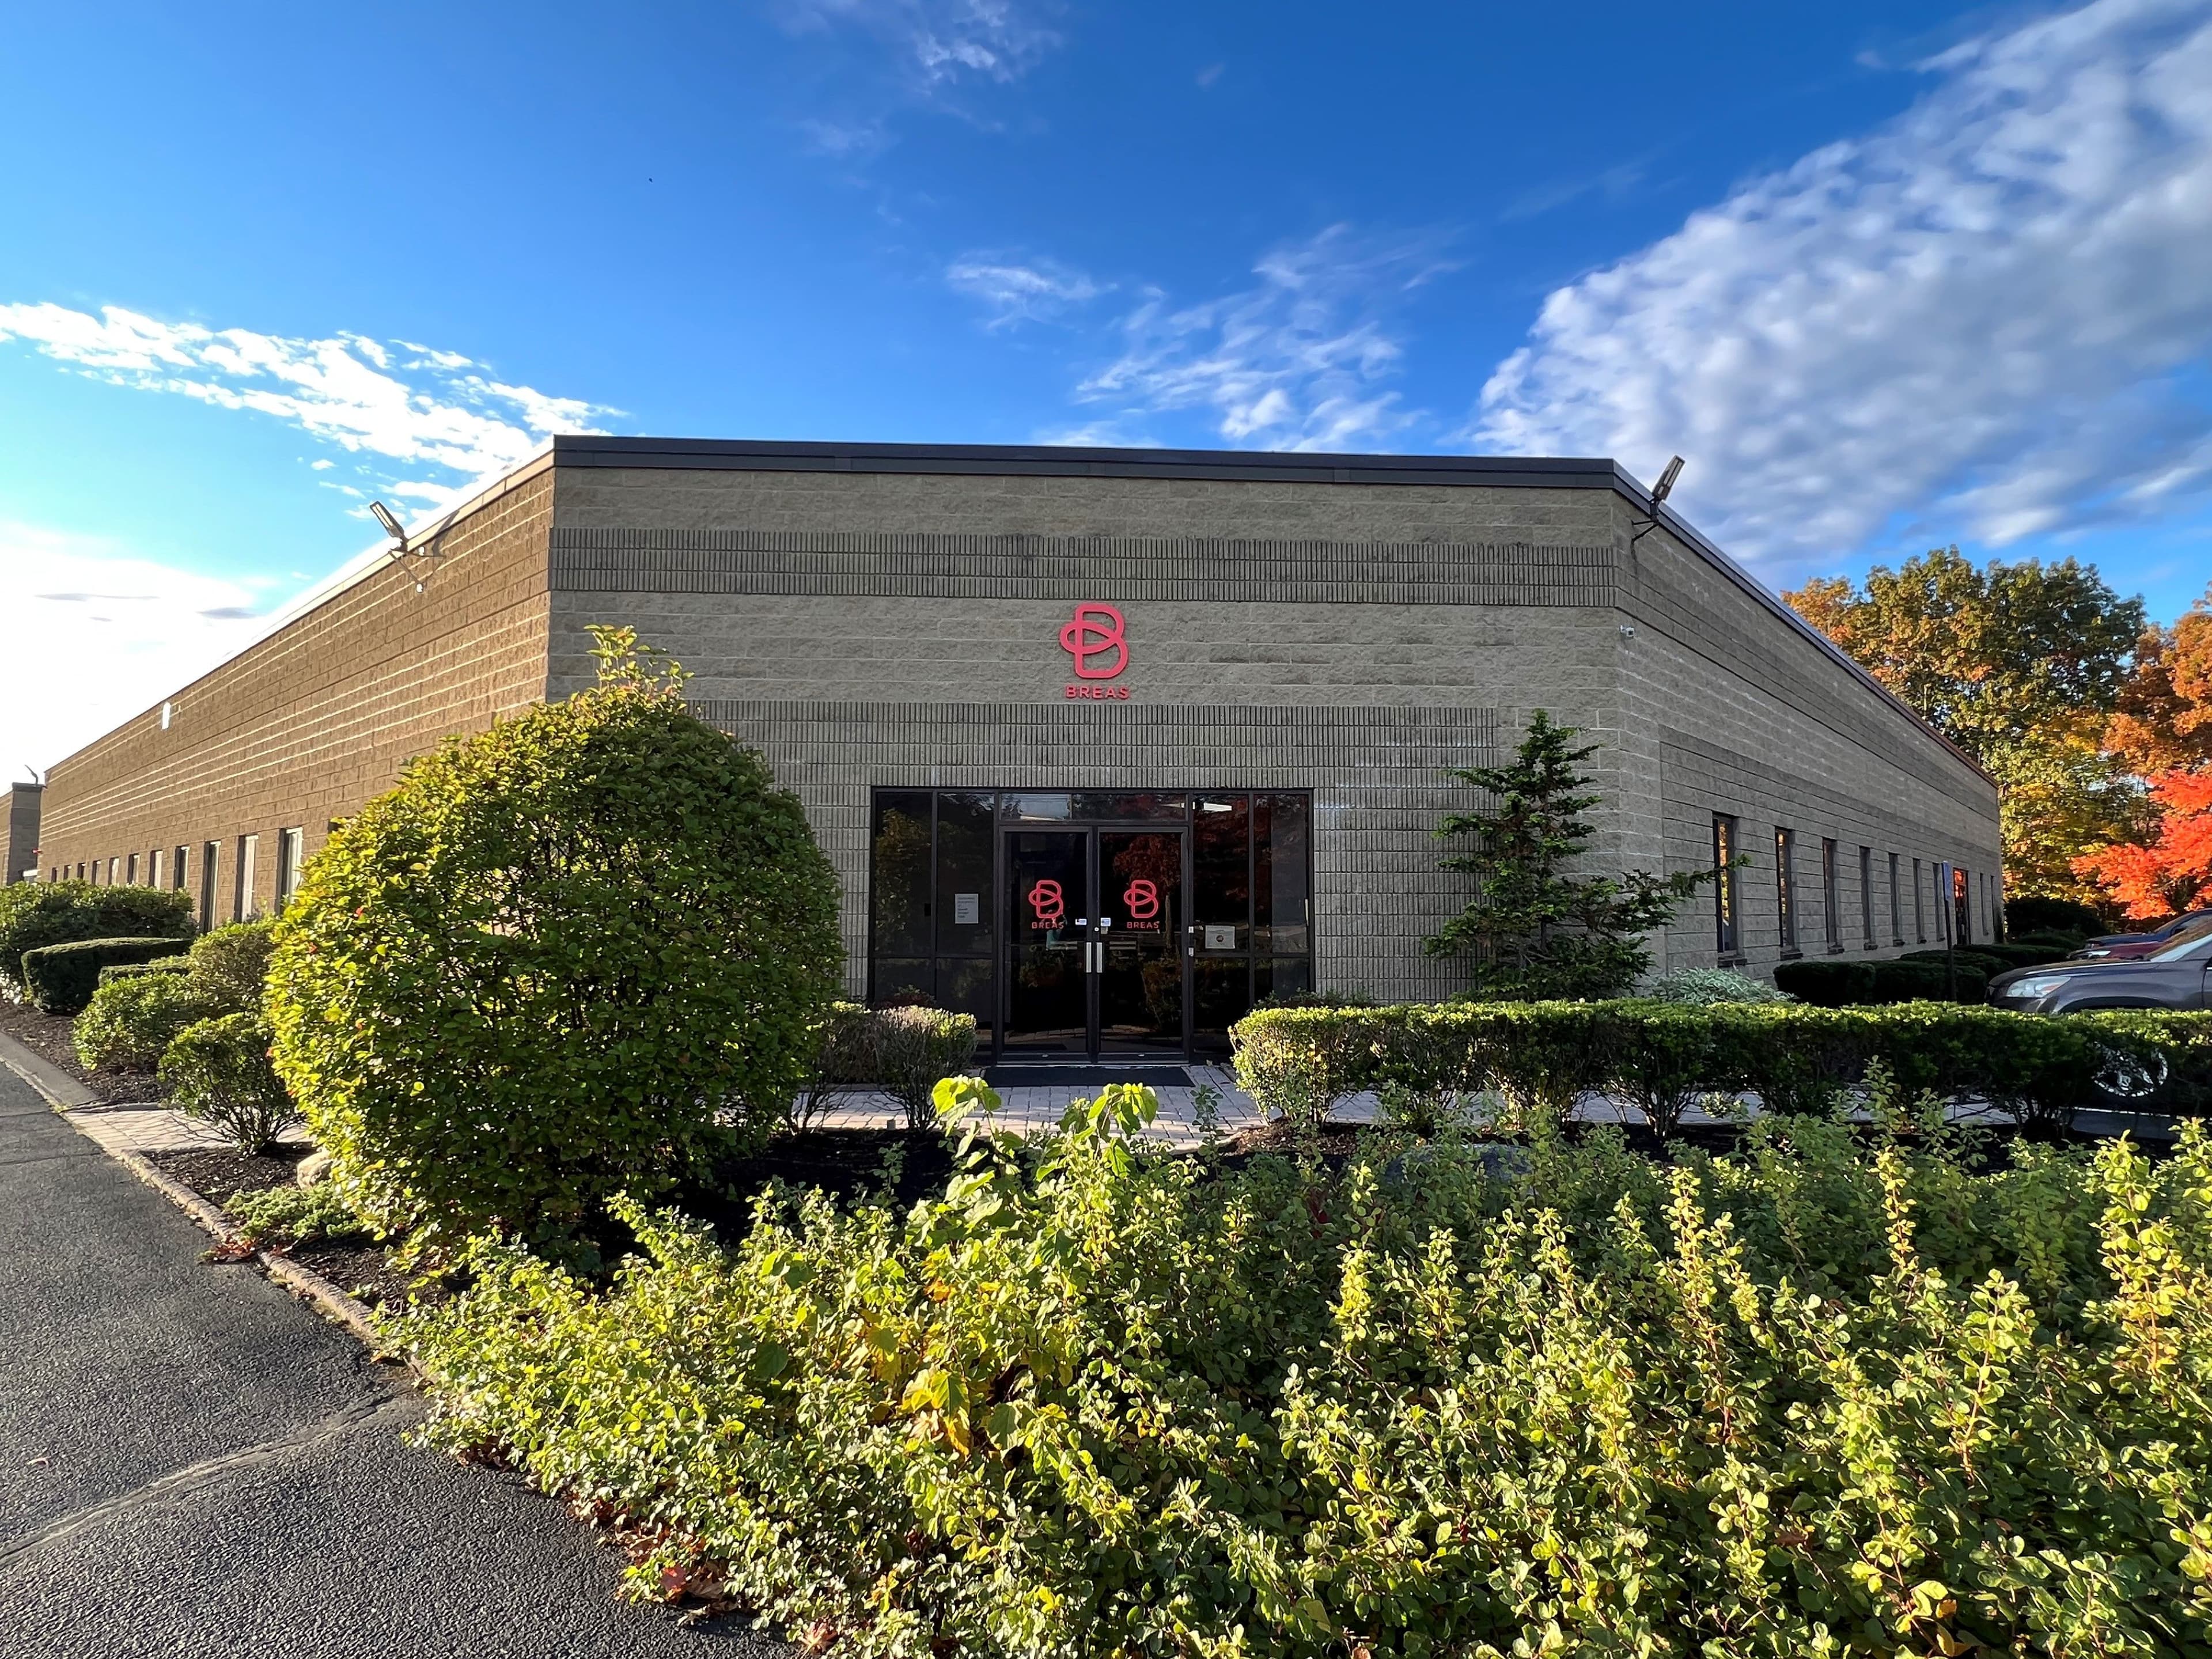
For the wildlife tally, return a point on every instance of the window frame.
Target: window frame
(1727, 893)
(1785, 890)
(1832, 905)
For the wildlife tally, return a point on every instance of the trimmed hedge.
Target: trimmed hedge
(172, 966)
(36, 914)
(1833, 982)
(61, 978)
(218, 1071)
(1539, 1058)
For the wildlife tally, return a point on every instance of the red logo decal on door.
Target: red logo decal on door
(1047, 904)
(1095, 630)
(1143, 899)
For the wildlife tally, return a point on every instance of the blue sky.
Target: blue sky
(1888, 275)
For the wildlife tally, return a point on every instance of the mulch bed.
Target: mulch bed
(48, 1035)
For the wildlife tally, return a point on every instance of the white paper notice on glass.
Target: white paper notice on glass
(967, 910)
(1220, 938)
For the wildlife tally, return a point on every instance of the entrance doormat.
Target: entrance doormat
(1092, 1077)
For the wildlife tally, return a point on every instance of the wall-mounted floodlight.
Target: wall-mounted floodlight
(1660, 491)
(391, 526)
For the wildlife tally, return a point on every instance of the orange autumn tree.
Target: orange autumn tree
(2162, 728)
(2173, 873)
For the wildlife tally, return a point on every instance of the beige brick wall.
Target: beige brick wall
(310, 723)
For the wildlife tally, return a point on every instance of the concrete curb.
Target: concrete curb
(64, 1094)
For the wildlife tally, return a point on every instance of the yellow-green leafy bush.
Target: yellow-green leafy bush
(1815, 1397)
(128, 1024)
(218, 1072)
(229, 965)
(583, 951)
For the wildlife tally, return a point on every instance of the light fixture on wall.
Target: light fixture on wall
(1660, 492)
(397, 531)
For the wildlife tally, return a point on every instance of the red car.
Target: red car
(2126, 947)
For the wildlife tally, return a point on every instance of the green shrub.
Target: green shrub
(230, 965)
(283, 1216)
(2065, 944)
(577, 953)
(903, 1051)
(35, 914)
(1540, 1058)
(1806, 1399)
(2053, 916)
(129, 1022)
(171, 965)
(1826, 983)
(61, 978)
(218, 1071)
(1903, 979)
(1701, 987)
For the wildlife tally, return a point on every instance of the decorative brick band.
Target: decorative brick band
(921, 565)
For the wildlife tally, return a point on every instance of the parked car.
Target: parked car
(2123, 946)
(2172, 975)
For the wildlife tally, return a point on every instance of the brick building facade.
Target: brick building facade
(1202, 704)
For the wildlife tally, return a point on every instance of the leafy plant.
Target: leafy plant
(1701, 987)
(130, 1021)
(903, 1050)
(33, 914)
(282, 1218)
(218, 1072)
(1533, 931)
(61, 978)
(582, 951)
(229, 965)
(1814, 1397)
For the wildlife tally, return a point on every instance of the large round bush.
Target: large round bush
(566, 956)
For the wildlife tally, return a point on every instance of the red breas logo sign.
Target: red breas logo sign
(1097, 638)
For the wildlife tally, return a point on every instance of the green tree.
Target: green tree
(2020, 664)
(578, 953)
(1533, 930)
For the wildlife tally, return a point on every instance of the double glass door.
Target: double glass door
(1095, 957)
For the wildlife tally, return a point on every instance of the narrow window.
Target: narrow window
(177, 868)
(1866, 897)
(153, 871)
(1896, 903)
(1962, 907)
(1727, 933)
(131, 876)
(1831, 897)
(1785, 884)
(241, 898)
(211, 862)
(1919, 915)
(290, 844)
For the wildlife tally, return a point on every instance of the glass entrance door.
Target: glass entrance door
(1094, 949)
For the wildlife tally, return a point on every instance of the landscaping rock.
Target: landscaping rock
(314, 1168)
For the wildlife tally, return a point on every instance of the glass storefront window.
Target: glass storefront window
(966, 858)
(1226, 872)
(898, 874)
(1283, 909)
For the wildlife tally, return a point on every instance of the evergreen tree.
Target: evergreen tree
(1533, 930)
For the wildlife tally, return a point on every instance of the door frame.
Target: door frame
(1090, 831)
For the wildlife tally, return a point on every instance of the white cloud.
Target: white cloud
(432, 408)
(939, 42)
(121, 633)
(1016, 292)
(1297, 362)
(1989, 317)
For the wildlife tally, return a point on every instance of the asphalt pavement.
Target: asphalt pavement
(192, 1462)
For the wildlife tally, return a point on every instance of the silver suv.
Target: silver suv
(2172, 976)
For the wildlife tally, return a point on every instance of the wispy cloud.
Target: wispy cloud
(1018, 291)
(1987, 318)
(1299, 360)
(406, 403)
(936, 43)
(76, 600)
